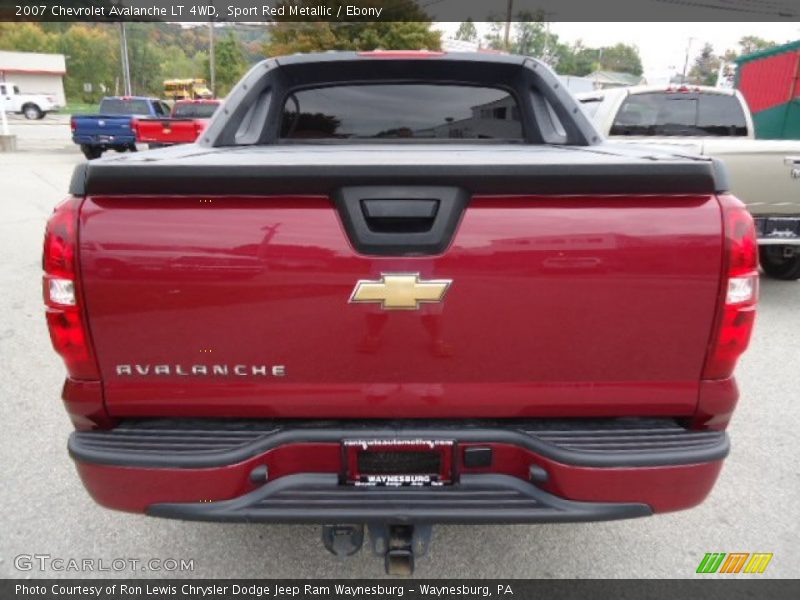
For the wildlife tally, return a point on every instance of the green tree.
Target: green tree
(177, 65)
(580, 60)
(495, 39)
(26, 37)
(467, 32)
(230, 63)
(402, 27)
(529, 37)
(622, 58)
(752, 43)
(145, 56)
(93, 65)
(706, 67)
(288, 38)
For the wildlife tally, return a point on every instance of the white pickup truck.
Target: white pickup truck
(715, 122)
(33, 106)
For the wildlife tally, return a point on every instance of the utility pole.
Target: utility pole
(126, 67)
(211, 62)
(686, 61)
(546, 50)
(509, 12)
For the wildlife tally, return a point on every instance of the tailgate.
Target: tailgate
(530, 304)
(104, 128)
(167, 131)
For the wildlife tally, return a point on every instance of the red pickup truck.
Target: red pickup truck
(399, 289)
(187, 121)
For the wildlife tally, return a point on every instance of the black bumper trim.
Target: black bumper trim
(319, 498)
(592, 443)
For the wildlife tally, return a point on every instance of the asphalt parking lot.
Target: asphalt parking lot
(755, 506)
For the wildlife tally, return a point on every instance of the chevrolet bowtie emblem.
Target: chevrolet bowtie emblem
(400, 291)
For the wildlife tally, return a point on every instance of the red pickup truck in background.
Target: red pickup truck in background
(395, 289)
(186, 122)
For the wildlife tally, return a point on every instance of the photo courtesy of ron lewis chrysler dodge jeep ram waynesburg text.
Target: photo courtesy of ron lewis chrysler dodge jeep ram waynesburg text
(396, 289)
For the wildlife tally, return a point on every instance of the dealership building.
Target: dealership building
(34, 72)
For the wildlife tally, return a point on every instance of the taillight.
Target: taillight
(65, 321)
(739, 295)
(73, 125)
(199, 126)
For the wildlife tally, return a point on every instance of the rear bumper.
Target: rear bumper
(778, 230)
(108, 141)
(540, 471)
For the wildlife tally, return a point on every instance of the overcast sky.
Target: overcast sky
(662, 46)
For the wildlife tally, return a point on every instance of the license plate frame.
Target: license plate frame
(434, 458)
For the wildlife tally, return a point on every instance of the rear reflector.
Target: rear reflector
(61, 295)
(60, 292)
(742, 289)
(736, 316)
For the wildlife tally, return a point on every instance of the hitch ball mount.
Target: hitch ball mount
(399, 545)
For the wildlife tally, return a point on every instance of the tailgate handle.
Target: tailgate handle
(400, 215)
(400, 220)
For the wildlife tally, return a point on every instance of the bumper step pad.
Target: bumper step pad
(318, 497)
(201, 443)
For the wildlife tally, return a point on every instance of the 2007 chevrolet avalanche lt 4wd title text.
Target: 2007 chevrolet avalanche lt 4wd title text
(395, 289)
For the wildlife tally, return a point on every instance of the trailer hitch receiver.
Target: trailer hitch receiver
(400, 545)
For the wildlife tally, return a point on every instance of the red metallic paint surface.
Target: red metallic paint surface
(770, 81)
(84, 403)
(559, 306)
(134, 489)
(715, 404)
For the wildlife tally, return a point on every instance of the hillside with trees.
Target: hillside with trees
(157, 51)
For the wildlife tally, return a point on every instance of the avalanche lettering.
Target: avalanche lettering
(137, 11)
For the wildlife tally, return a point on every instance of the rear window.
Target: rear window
(199, 110)
(676, 114)
(118, 106)
(401, 111)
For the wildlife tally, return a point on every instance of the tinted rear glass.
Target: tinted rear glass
(117, 106)
(401, 111)
(200, 110)
(689, 114)
(721, 115)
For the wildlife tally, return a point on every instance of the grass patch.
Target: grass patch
(79, 108)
